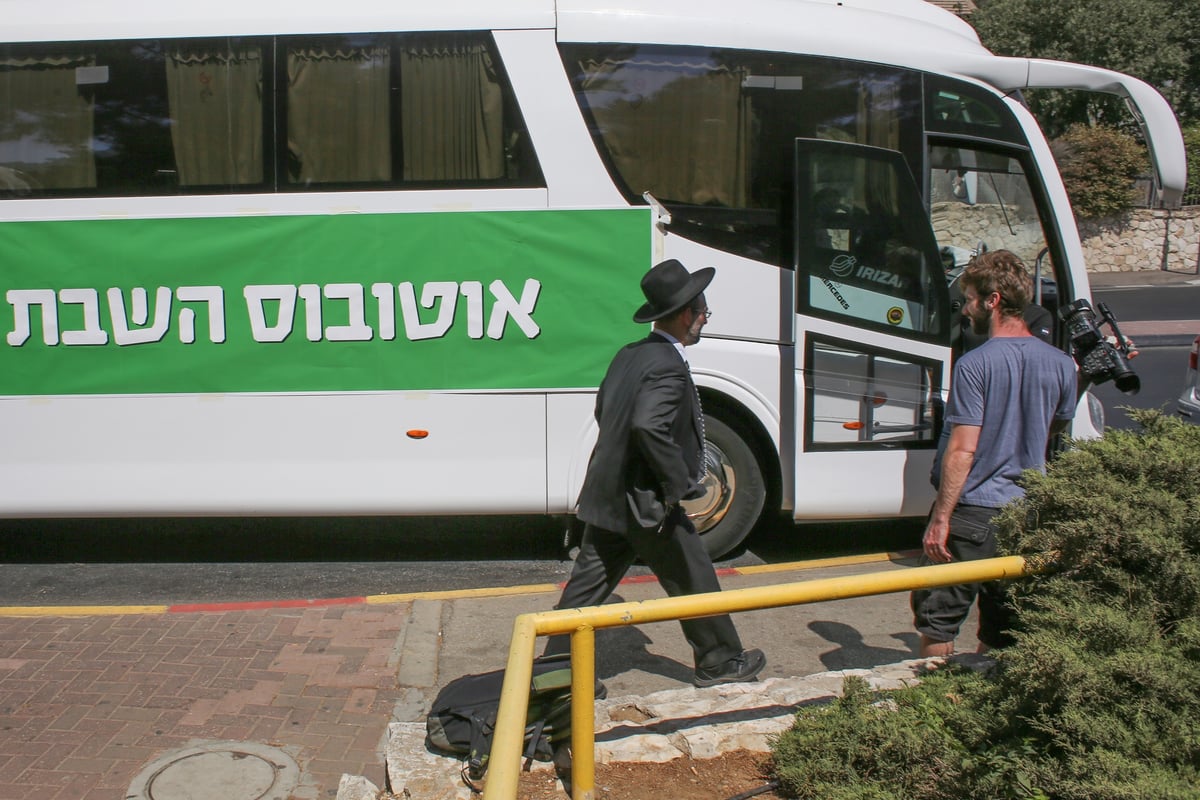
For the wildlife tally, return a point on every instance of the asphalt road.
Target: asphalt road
(152, 562)
(1162, 371)
(1151, 302)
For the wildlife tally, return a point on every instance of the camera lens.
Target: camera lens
(1128, 382)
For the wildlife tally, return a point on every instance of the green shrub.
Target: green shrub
(1099, 166)
(1191, 142)
(1099, 699)
(1106, 674)
(857, 749)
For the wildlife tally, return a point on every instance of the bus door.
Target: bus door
(872, 334)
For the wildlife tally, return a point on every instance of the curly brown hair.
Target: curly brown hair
(1003, 272)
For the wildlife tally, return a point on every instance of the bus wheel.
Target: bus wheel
(734, 491)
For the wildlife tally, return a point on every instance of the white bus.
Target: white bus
(372, 258)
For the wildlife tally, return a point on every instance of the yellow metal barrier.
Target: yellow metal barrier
(505, 760)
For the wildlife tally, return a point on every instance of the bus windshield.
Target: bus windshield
(981, 199)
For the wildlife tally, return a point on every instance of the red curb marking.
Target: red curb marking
(185, 608)
(723, 572)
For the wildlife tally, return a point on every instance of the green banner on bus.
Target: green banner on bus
(346, 302)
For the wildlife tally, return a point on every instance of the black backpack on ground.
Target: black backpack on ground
(462, 719)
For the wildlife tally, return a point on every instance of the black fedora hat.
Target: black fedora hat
(668, 287)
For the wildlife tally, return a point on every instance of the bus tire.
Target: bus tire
(735, 490)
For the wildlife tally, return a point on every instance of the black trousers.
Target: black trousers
(676, 556)
(938, 613)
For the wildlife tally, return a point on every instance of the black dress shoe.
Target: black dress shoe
(741, 668)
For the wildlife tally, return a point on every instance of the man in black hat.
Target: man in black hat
(649, 456)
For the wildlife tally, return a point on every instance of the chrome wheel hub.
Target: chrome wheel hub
(719, 485)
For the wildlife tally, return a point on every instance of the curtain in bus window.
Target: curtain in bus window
(879, 126)
(216, 116)
(451, 110)
(46, 125)
(679, 129)
(338, 115)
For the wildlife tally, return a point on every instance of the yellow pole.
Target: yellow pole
(505, 759)
(504, 763)
(786, 594)
(583, 713)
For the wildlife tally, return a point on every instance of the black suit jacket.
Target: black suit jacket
(648, 452)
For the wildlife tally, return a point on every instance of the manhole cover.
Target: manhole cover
(228, 770)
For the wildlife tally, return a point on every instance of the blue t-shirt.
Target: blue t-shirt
(1012, 388)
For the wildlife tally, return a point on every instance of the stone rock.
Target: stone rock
(653, 748)
(423, 775)
(356, 787)
(700, 723)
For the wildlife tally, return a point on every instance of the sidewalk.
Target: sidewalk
(1152, 333)
(87, 703)
(281, 701)
(1146, 277)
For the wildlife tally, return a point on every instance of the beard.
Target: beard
(980, 325)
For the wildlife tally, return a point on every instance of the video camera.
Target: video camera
(1099, 359)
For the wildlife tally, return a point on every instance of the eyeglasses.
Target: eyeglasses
(707, 312)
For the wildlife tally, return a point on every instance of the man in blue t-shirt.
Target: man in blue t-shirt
(1007, 398)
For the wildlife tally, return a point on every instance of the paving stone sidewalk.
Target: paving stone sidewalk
(87, 702)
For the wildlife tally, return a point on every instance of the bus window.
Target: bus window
(215, 111)
(982, 198)
(207, 116)
(417, 108)
(858, 398)
(864, 249)
(456, 111)
(45, 123)
(958, 107)
(338, 118)
(710, 133)
(124, 118)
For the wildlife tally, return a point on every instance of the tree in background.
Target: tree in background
(1099, 166)
(1154, 40)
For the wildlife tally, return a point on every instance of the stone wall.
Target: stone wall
(1009, 227)
(1124, 243)
(1145, 239)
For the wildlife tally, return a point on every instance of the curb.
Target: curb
(385, 599)
(1166, 339)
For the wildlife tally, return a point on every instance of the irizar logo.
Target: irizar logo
(846, 266)
(880, 276)
(842, 266)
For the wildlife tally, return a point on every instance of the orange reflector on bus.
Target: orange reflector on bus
(879, 399)
(852, 426)
(417, 434)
